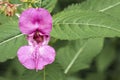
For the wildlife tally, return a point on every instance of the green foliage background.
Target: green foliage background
(85, 36)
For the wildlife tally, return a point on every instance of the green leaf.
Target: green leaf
(52, 72)
(78, 54)
(49, 4)
(106, 57)
(72, 7)
(2, 78)
(73, 77)
(10, 40)
(71, 25)
(95, 75)
(107, 6)
(4, 19)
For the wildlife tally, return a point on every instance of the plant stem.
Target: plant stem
(44, 75)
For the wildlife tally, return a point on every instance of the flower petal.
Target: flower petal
(46, 21)
(25, 56)
(32, 42)
(32, 19)
(47, 56)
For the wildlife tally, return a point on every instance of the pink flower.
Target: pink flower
(37, 25)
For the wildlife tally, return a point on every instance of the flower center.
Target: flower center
(37, 37)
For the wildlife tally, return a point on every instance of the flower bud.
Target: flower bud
(10, 9)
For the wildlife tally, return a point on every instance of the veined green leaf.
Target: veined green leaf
(107, 6)
(78, 54)
(51, 72)
(5, 19)
(71, 25)
(10, 40)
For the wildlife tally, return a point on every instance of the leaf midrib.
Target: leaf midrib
(75, 58)
(88, 24)
(12, 38)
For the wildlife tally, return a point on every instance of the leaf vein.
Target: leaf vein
(88, 24)
(11, 39)
(75, 58)
(109, 7)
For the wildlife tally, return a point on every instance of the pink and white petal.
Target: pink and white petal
(25, 57)
(45, 28)
(26, 21)
(31, 41)
(46, 39)
(46, 21)
(47, 56)
(32, 19)
(40, 64)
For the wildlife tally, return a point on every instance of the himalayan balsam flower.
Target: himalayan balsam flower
(37, 25)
